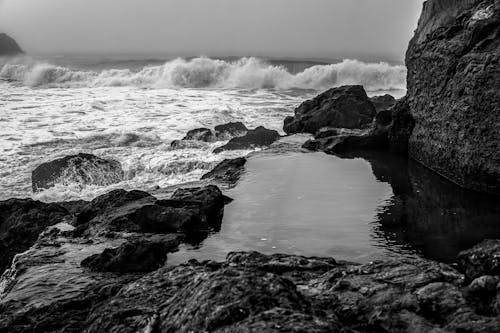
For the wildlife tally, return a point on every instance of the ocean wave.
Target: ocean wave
(247, 73)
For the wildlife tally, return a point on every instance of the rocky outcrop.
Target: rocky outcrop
(230, 130)
(21, 221)
(201, 134)
(453, 85)
(220, 133)
(8, 46)
(228, 170)
(252, 292)
(80, 169)
(383, 103)
(342, 107)
(259, 137)
(402, 124)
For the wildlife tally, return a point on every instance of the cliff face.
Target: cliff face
(454, 91)
(8, 46)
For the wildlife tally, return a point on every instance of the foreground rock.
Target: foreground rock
(253, 292)
(342, 107)
(80, 169)
(21, 221)
(259, 137)
(453, 85)
(8, 46)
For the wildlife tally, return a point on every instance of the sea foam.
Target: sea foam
(246, 73)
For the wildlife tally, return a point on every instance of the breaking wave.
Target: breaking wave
(247, 73)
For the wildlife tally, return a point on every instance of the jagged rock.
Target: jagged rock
(383, 103)
(259, 137)
(482, 259)
(142, 255)
(21, 222)
(80, 169)
(343, 107)
(8, 46)
(453, 66)
(228, 170)
(200, 134)
(230, 130)
(192, 211)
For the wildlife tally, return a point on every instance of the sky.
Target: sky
(326, 29)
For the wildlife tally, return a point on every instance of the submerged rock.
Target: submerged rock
(342, 107)
(21, 222)
(259, 137)
(81, 169)
(453, 85)
(8, 46)
(228, 170)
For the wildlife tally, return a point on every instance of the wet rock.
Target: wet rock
(401, 128)
(187, 144)
(81, 169)
(230, 130)
(440, 299)
(142, 255)
(21, 222)
(343, 107)
(453, 66)
(8, 46)
(200, 134)
(383, 103)
(228, 170)
(259, 137)
(482, 259)
(191, 211)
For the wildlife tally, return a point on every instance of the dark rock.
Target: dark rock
(230, 130)
(383, 103)
(200, 134)
(21, 222)
(187, 144)
(453, 66)
(80, 169)
(143, 255)
(8, 46)
(402, 127)
(343, 107)
(191, 211)
(228, 170)
(482, 259)
(259, 137)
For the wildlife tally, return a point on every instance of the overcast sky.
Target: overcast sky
(366, 29)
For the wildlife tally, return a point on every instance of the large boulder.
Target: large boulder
(230, 130)
(259, 137)
(21, 221)
(342, 107)
(8, 46)
(453, 85)
(81, 169)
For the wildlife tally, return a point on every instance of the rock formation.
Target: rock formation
(453, 86)
(8, 46)
(259, 137)
(81, 169)
(342, 107)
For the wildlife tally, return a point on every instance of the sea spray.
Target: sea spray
(245, 73)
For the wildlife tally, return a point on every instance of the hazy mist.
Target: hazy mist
(365, 29)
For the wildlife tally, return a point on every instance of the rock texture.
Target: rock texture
(21, 221)
(453, 85)
(253, 292)
(342, 107)
(259, 137)
(8, 46)
(227, 170)
(81, 169)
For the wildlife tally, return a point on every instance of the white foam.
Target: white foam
(248, 73)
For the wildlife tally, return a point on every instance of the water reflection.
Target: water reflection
(428, 213)
(358, 208)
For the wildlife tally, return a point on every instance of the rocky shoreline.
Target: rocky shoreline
(102, 265)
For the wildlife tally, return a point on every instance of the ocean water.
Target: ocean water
(130, 110)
